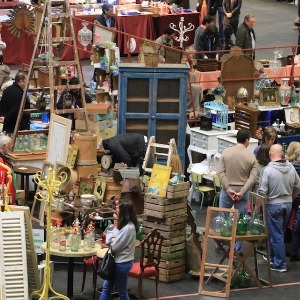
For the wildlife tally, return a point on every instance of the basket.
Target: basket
(151, 59)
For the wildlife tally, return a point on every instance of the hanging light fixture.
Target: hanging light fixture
(85, 35)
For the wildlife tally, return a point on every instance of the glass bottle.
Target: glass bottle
(226, 229)
(256, 225)
(75, 240)
(87, 242)
(93, 238)
(218, 223)
(242, 225)
(139, 235)
(62, 242)
(54, 241)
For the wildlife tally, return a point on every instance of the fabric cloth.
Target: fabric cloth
(244, 39)
(10, 106)
(4, 178)
(129, 148)
(237, 169)
(163, 41)
(4, 74)
(277, 219)
(207, 44)
(123, 246)
(121, 280)
(279, 182)
(107, 22)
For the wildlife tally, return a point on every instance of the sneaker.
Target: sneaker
(266, 260)
(278, 269)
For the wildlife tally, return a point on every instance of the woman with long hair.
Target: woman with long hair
(122, 242)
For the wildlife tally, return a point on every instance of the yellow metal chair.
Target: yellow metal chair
(199, 187)
(217, 187)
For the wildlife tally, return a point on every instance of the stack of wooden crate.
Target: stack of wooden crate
(169, 216)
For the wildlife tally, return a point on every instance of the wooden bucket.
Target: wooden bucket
(86, 170)
(87, 148)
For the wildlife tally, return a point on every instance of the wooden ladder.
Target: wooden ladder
(157, 151)
(55, 13)
(214, 268)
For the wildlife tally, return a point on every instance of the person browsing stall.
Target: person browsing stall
(122, 242)
(167, 40)
(107, 19)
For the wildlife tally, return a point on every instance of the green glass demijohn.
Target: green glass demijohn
(242, 225)
(226, 229)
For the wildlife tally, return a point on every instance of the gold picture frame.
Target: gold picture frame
(269, 96)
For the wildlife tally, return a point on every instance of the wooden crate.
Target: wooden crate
(174, 255)
(157, 212)
(167, 234)
(168, 221)
(164, 227)
(152, 199)
(171, 278)
(173, 248)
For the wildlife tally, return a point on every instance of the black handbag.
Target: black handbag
(107, 268)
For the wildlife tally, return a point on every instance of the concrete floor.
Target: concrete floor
(274, 27)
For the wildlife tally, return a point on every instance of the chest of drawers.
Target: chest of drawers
(229, 141)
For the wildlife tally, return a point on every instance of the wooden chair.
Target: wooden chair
(92, 262)
(217, 187)
(148, 266)
(199, 187)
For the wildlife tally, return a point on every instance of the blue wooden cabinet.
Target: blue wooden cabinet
(152, 101)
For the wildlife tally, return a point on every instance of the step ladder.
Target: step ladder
(214, 268)
(55, 31)
(156, 152)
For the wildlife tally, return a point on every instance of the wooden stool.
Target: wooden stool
(25, 172)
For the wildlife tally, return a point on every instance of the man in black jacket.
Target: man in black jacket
(129, 148)
(10, 105)
(107, 19)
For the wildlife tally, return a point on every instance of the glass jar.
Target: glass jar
(256, 225)
(62, 243)
(54, 241)
(218, 223)
(75, 240)
(242, 225)
(284, 92)
(87, 242)
(226, 229)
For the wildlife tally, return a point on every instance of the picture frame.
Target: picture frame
(101, 35)
(58, 139)
(269, 96)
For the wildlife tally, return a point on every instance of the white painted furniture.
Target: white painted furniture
(204, 142)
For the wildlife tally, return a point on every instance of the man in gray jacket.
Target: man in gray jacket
(280, 183)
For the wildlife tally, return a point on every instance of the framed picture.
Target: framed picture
(269, 96)
(102, 35)
(58, 139)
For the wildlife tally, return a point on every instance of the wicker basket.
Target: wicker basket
(151, 59)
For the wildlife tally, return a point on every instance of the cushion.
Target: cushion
(135, 270)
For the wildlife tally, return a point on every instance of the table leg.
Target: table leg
(26, 188)
(70, 277)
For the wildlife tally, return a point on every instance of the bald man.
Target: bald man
(280, 183)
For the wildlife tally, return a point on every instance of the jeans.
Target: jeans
(241, 206)
(121, 278)
(220, 12)
(278, 218)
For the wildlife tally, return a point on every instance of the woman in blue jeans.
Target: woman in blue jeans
(122, 242)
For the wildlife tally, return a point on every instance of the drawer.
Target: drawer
(199, 144)
(211, 141)
(225, 144)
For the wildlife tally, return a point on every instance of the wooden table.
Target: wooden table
(25, 172)
(71, 255)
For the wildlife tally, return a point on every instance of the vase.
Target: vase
(284, 92)
(226, 229)
(256, 225)
(242, 225)
(218, 223)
